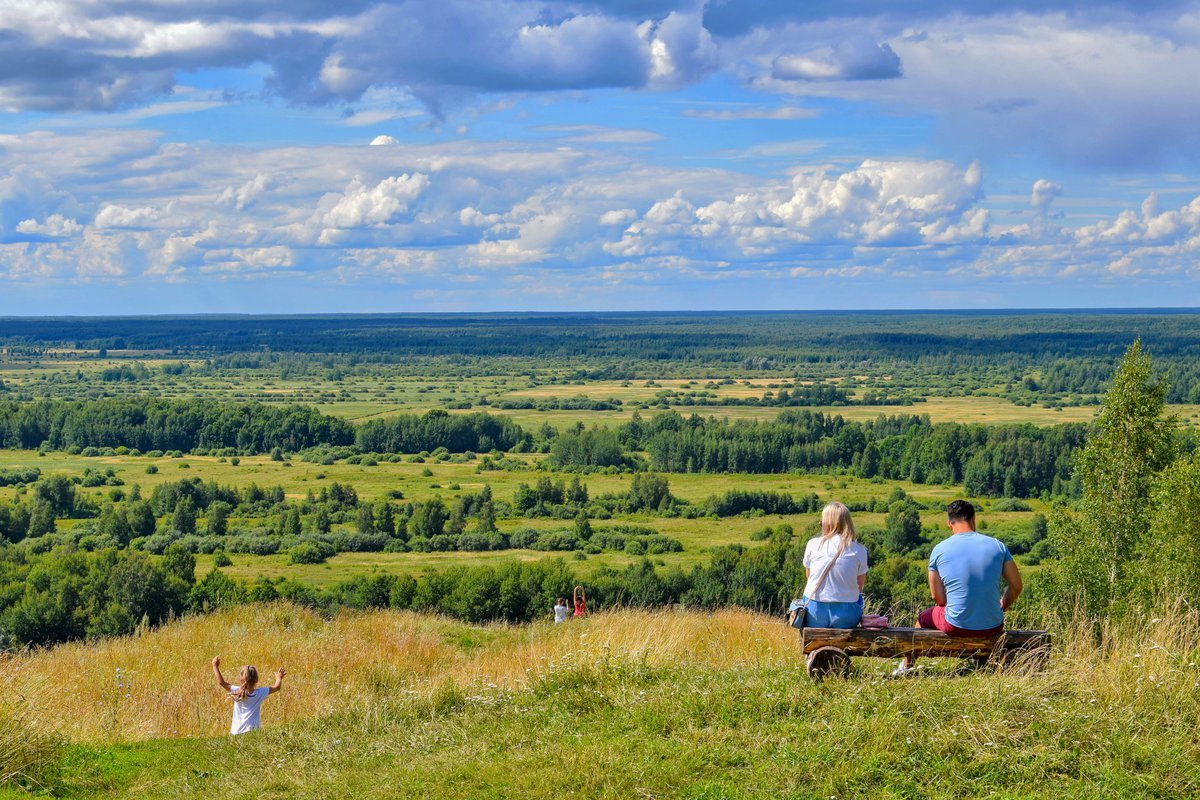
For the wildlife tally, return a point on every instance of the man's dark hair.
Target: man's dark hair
(960, 511)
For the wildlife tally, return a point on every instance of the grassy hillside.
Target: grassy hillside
(669, 704)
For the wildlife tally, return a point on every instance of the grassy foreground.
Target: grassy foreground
(626, 704)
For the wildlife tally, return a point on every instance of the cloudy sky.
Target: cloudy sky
(166, 156)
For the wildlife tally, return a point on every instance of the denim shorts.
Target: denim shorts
(833, 615)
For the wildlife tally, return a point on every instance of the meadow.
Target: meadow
(680, 686)
(621, 704)
(448, 480)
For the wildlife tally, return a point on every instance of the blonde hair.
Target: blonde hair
(248, 678)
(835, 521)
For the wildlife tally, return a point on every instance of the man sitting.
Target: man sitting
(964, 579)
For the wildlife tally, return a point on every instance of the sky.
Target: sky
(302, 156)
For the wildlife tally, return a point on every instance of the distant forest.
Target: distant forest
(1071, 352)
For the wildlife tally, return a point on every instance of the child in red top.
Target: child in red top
(580, 602)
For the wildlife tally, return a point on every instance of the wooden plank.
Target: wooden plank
(917, 641)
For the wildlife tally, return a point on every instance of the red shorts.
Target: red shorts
(936, 618)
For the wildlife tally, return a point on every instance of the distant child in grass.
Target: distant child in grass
(247, 696)
(560, 610)
(580, 598)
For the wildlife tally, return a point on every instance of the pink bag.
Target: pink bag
(875, 622)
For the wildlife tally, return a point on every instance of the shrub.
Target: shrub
(310, 552)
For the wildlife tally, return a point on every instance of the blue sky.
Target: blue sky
(305, 156)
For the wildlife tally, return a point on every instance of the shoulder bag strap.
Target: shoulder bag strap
(828, 568)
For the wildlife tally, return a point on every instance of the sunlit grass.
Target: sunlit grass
(624, 704)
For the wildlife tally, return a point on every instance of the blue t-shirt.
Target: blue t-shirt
(970, 565)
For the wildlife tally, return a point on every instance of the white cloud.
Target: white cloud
(383, 140)
(361, 205)
(575, 218)
(242, 196)
(618, 216)
(1043, 194)
(112, 215)
(55, 225)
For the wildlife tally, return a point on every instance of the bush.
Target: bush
(252, 545)
(557, 540)
(310, 552)
(523, 538)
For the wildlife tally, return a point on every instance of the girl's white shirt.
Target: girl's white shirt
(842, 584)
(245, 712)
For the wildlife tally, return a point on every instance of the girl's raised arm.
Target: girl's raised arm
(275, 687)
(216, 665)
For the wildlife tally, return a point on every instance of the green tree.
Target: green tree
(141, 518)
(868, 465)
(385, 518)
(179, 562)
(184, 517)
(902, 529)
(648, 491)
(485, 521)
(583, 528)
(217, 518)
(1130, 443)
(429, 518)
(58, 492)
(458, 518)
(1171, 553)
(41, 517)
(290, 523)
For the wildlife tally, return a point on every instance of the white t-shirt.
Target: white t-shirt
(245, 712)
(560, 613)
(841, 586)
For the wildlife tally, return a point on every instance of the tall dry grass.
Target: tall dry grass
(27, 745)
(159, 684)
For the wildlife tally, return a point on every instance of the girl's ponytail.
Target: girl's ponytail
(248, 678)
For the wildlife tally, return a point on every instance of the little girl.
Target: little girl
(247, 696)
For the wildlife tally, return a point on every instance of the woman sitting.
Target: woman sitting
(835, 564)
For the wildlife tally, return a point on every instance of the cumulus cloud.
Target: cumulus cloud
(899, 203)
(242, 196)
(55, 225)
(517, 216)
(383, 140)
(361, 205)
(858, 59)
(618, 216)
(113, 215)
(1043, 195)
